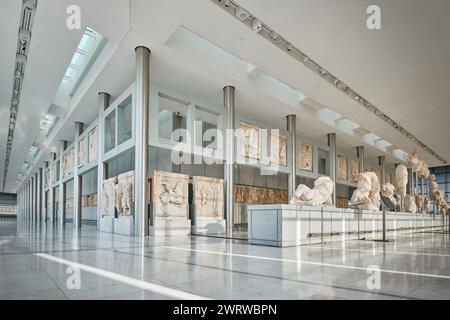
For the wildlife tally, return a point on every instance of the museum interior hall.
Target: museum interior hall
(214, 149)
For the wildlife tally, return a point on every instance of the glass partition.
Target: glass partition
(110, 131)
(172, 115)
(125, 123)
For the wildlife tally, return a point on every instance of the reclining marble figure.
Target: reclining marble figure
(367, 194)
(318, 196)
(388, 191)
(410, 205)
(401, 179)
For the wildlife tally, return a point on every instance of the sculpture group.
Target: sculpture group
(369, 190)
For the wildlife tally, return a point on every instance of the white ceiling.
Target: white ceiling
(403, 69)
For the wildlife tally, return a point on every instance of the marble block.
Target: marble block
(208, 197)
(170, 194)
(306, 157)
(124, 225)
(107, 224)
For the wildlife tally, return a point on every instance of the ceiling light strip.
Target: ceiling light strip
(269, 34)
(23, 45)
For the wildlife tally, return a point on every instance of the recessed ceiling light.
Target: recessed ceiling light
(241, 14)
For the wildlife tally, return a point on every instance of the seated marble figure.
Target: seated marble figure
(319, 196)
(388, 191)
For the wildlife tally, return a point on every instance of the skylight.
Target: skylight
(47, 122)
(88, 49)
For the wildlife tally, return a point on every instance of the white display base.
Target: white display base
(169, 226)
(107, 224)
(209, 226)
(124, 225)
(291, 225)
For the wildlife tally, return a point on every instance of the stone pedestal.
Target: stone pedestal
(124, 225)
(107, 224)
(208, 226)
(170, 226)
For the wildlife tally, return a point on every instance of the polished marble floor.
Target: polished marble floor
(54, 262)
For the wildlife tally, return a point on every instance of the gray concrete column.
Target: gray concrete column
(102, 168)
(292, 154)
(32, 198)
(40, 194)
(52, 191)
(47, 198)
(410, 182)
(141, 137)
(229, 104)
(62, 186)
(332, 145)
(77, 179)
(382, 164)
(360, 155)
(36, 195)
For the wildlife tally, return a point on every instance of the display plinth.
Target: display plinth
(124, 225)
(291, 225)
(107, 224)
(208, 226)
(170, 226)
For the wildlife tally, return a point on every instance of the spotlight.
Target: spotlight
(275, 37)
(256, 25)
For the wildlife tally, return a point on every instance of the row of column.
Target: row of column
(33, 201)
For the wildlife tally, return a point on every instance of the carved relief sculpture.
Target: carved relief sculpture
(306, 157)
(69, 203)
(319, 196)
(82, 156)
(355, 170)
(278, 150)
(258, 195)
(208, 197)
(170, 194)
(92, 145)
(109, 196)
(367, 194)
(250, 138)
(91, 200)
(342, 167)
(401, 179)
(84, 201)
(124, 194)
